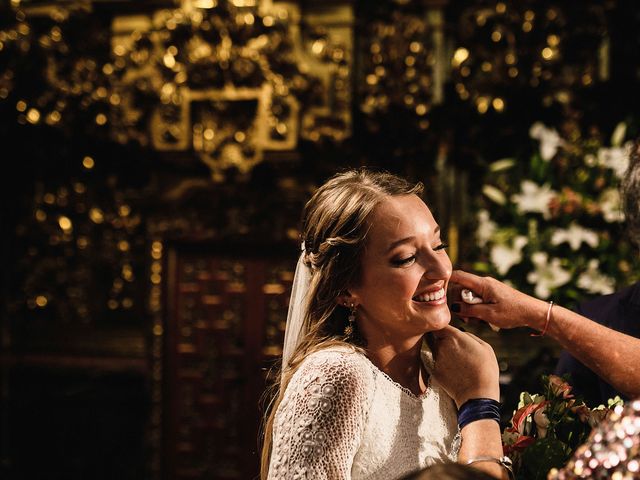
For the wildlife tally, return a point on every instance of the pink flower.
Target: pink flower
(559, 387)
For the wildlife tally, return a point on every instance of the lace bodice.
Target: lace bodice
(343, 418)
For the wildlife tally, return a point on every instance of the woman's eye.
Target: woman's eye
(442, 246)
(402, 262)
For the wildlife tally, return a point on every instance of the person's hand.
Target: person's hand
(503, 306)
(465, 365)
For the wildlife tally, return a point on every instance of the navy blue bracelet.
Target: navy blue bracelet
(478, 409)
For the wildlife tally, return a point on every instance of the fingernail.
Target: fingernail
(455, 307)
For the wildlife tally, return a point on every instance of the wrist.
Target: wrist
(476, 409)
(547, 321)
(537, 315)
(504, 462)
(485, 393)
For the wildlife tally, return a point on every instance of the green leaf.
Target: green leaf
(541, 457)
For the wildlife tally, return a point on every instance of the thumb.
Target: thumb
(467, 280)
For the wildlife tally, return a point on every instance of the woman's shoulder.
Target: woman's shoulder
(343, 362)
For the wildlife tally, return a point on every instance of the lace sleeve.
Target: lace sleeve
(319, 424)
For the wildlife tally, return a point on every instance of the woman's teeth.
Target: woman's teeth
(430, 297)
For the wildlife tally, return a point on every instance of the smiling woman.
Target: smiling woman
(370, 385)
(401, 292)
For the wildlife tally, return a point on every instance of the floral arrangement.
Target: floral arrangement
(552, 225)
(546, 428)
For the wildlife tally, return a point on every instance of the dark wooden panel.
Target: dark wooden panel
(226, 312)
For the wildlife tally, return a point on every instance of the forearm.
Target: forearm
(613, 356)
(479, 439)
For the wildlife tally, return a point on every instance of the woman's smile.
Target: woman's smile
(435, 297)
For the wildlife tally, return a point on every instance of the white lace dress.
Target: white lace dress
(343, 418)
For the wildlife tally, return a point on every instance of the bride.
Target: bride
(375, 384)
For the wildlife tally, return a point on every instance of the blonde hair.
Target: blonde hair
(334, 230)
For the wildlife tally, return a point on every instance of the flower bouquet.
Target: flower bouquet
(551, 223)
(546, 428)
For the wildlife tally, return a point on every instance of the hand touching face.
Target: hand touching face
(502, 305)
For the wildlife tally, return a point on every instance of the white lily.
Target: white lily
(486, 228)
(547, 275)
(533, 198)
(611, 205)
(575, 236)
(504, 256)
(615, 158)
(549, 140)
(594, 281)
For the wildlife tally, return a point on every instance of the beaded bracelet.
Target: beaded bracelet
(505, 462)
(478, 409)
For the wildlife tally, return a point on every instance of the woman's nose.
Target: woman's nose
(438, 266)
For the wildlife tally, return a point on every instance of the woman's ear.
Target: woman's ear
(346, 299)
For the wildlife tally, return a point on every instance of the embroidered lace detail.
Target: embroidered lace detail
(422, 396)
(321, 418)
(343, 418)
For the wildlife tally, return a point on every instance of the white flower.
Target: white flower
(533, 198)
(509, 438)
(615, 158)
(486, 228)
(526, 398)
(610, 205)
(594, 281)
(547, 275)
(575, 236)
(504, 256)
(549, 140)
(597, 415)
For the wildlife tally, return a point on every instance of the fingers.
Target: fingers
(481, 311)
(468, 280)
(485, 312)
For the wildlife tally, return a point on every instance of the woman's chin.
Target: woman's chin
(439, 323)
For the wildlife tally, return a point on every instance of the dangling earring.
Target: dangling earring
(348, 330)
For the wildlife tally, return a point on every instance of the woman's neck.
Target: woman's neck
(402, 363)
